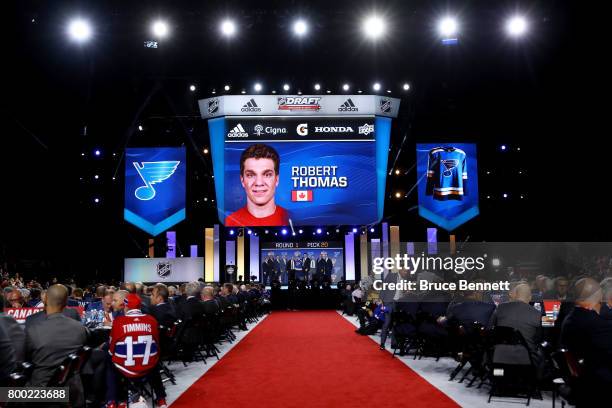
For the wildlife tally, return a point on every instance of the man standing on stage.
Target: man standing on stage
(306, 263)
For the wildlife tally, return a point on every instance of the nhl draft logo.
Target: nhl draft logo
(164, 269)
(291, 103)
(213, 106)
(385, 105)
(449, 165)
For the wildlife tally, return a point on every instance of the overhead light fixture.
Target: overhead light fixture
(373, 27)
(79, 30)
(160, 29)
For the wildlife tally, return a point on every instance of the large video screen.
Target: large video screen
(448, 183)
(305, 261)
(299, 170)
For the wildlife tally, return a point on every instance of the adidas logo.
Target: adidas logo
(348, 106)
(238, 131)
(250, 106)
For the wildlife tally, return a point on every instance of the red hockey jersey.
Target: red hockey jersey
(134, 343)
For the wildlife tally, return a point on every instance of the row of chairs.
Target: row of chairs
(498, 357)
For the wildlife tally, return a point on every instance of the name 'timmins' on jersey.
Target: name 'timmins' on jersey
(447, 173)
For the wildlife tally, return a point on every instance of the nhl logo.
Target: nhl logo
(213, 106)
(385, 105)
(164, 269)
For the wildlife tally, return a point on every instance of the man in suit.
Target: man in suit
(7, 357)
(589, 336)
(471, 309)
(14, 332)
(160, 308)
(520, 315)
(560, 289)
(192, 306)
(211, 306)
(306, 267)
(268, 268)
(325, 266)
(51, 340)
(606, 306)
(40, 316)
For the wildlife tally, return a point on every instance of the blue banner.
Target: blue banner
(155, 187)
(447, 183)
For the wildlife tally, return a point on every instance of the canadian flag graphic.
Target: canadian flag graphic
(301, 195)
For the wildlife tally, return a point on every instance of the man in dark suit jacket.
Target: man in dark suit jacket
(40, 316)
(472, 309)
(589, 336)
(51, 340)
(520, 315)
(192, 306)
(160, 308)
(211, 306)
(325, 267)
(606, 306)
(306, 267)
(14, 331)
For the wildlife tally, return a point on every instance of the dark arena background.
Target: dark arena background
(134, 140)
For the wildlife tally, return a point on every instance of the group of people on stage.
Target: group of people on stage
(302, 267)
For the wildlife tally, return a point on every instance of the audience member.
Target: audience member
(160, 308)
(14, 331)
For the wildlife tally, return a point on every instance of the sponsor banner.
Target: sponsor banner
(299, 128)
(447, 175)
(163, 269)
(22, 313)
(304, 105)
(155, 187)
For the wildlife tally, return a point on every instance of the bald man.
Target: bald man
(51, 340)
(589, 336)
(520, 315)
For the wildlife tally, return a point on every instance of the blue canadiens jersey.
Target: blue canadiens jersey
(447, 173)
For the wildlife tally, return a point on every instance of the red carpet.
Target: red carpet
(310, 359)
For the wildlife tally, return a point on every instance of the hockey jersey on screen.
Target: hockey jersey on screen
(134, 343)
(447, 174)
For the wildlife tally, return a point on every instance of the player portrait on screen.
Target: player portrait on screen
(259, 176)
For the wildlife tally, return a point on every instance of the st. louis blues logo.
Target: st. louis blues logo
(153, 173)
(449, 166)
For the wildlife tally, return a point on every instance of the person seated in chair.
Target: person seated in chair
(588, 336)
(606, 306)
(134, 351)
(160, 308)
(471, 310)
(373, 319)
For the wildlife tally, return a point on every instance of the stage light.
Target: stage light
(300, 28)
(228, 28)
(231, 232)
(96, 177)
(373, 27)
(317, 87)
(79, 30)
(448, 27)
(82, 154)
(226, 87)
(328, 91)
(257, 87)
(376, 87)
(284, 231)
(406, 87)
(354, 230)
(503, 147)
(286, 87)
(243, 92)
(337, 230)
(496, 262)
(192, 88)
(97, 152)
(266, 231)
(371, 229)
(505, 195)
(398, 194)
(293, 233)
(273, 91)
(205, 151)
(159, 29)
(249, 232)
(301, 231)
(516, 26)
(140, 127)
(388, 91)
(96, 200)
(345, 87)
(318, 230)
(397, 172)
